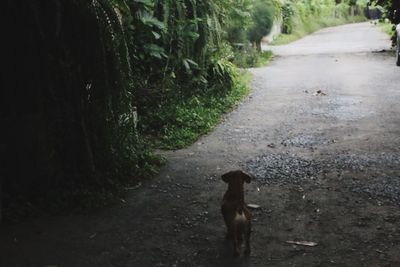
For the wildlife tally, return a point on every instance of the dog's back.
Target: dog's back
(233, 208)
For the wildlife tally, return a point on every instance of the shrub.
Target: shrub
(262, 21)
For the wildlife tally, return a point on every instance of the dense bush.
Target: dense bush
(300, 17)
(262, 20)
(90, 81)
(287, 11)
(249, 21)
(246, 56)
(68, 107)
(392, 12)
(239, 21)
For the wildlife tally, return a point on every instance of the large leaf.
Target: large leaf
(149, 20)
(154, 51)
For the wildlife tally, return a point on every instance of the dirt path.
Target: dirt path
(326, 170)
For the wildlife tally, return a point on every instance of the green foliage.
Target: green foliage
(392, 9)
(302, 17)
(264, 58)
(287, 18)
(247, 56)
(239, 21)
(392, 12)
(103, 82)
(387, 27)
(248, 21)
(262, 21)
(182, 121)
(194, 82)
(75, 84)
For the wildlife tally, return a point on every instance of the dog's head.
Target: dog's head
(236, 178)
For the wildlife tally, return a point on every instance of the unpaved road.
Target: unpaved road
(326, 170)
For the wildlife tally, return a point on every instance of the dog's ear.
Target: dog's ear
(225, 177)
(246, 177)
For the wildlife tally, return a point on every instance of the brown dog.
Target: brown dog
(236, 215)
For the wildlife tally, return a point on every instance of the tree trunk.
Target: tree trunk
(258, 46)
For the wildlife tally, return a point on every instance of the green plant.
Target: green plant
(311, 15)
(392, 12)
(262, 21)
(239, 20)
(287, 18)
(182, 120)
(247, 56)
(387, 27)
(79, 93)
(103, 82)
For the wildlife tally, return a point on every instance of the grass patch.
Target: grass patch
(303, 28)
(248, 57)
(264, 58)
(185, 120)
(387, 27)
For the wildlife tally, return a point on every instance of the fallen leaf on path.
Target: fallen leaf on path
(320, 93)
(134, 187)
(271, 145)
(303, 243)
(253, 206)
(92, 236)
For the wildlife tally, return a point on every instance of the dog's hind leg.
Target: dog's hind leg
(235, 243)
(230, 234)
(247, 233)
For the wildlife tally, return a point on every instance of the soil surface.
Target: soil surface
(320, 133)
